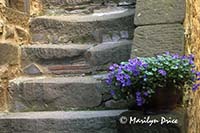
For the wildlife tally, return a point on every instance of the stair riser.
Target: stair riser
(58, 126)
(75, 61)
(54, 95)
(54, 31)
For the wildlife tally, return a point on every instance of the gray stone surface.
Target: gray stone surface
(32, 69)
(159, 11)
(8, 54)
(59, 93)
(48, 54)
(46, 51)
(82, 28)
(156, 39)
(64, 3)
(60, 122)
(169, 122)
(113, 104)
(113, 52)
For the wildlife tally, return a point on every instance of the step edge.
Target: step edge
(61, 114)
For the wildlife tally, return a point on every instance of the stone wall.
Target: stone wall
(13, 26)
(159, 27)
(192, 24)
(13, 32)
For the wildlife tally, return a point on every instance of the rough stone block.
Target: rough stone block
(82, 28)
(51, 53)
(113, 52)
(60, 122)
(159, 11)
(32, 69)
(8, 54)
(46, 93)
(156, 39)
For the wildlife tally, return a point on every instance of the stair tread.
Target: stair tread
(97, 16)
(60, 122)
(61, 114)
(58, 46)
(45, 79)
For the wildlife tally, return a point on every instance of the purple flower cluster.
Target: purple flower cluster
(140, 77)
(122, 73)
(140, 97)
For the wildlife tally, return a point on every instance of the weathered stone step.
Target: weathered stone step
(92, 28)
(64, 3)
(46, 54)
(60, 122)
(54, 93)
(73, 59)
(46, 51)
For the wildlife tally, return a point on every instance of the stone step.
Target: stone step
(110, 25)
(60, 122)
(72, 59)
(52, 4)
(54, 93)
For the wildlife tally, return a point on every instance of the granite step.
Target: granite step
(72, 59)
(60, 122)
(55, 93)
(110, 25)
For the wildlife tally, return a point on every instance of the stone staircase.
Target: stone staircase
(73, 43)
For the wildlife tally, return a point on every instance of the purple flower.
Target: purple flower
(197, 73)
(109, 81)
(191, 57)
(162, 72)
(167, 53)
(195, 87)
(175, 56)
(112, 92)
(113, 67)
(193, 71)
(146, 94)
(139, 99)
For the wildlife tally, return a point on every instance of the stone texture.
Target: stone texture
(64, 3)
(126, 2)
(80, 28)
(7, 72)
(159, 11)
(32, 69)
(61, 3)
(156, 39)
(43, 93)
(52, 53)
(69, 69)
(14, 17)
(161, 126)
(60, 122)
(113, 104)
(17, 4)
(55, 51)
(8, 54)
(192, 47)
(109, 53)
